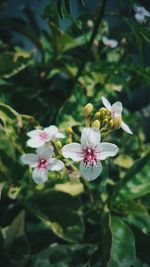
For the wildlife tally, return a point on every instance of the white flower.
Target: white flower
(116, 110)
(109, 42)
(42, 162)
(90, 23)
(39, 137)
(90, 153)
(141, 13)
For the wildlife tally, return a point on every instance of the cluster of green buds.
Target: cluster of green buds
(102, 119)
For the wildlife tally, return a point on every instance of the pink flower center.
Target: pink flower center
(89, 155)
(43, 135)
(110, 45)
(42, 163)
(140, 12)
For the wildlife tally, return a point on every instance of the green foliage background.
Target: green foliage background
(64, 222)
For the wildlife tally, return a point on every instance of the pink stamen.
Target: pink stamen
(43, 135)
(42, 163)
(140, 12)
(89, 155)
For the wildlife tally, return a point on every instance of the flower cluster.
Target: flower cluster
(42, 161)
(90, 152)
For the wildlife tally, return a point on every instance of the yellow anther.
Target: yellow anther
(69, 130)
(59, 144)
(87, 110)
(96, 123)
(97, 115)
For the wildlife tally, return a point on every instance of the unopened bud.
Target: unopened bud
(102, 110)
(69, 140)
(102, 114)
(105, 121)
(59, 144)
(96, 123)
(97, 116)
(87, 109)
(69, 130)
(110, 124)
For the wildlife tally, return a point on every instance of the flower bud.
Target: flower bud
(97, 116)
(69, 140)
(105, 121)
(87, 110)
(59, 144)
(69, 130)
(101, 110)
(102, 114)
(96, 123)
(110, 124)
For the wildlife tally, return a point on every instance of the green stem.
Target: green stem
(87, 190)
(94, 33)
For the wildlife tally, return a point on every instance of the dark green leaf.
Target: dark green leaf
(59, 210)
(122, 252)
(136, 182)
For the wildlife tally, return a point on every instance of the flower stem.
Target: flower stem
(87, 189)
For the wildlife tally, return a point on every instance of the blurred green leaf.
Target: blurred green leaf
(136, 182)
(15, 242)
(122, 253)
(60, 212)
(72, 188)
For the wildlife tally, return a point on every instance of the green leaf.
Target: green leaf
(15, 242)
(11, 63)
(71, 111)
(136, 182)
(122, 253)
(60, 212)
(6, 145)
(71, 188)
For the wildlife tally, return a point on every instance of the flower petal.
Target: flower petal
(55, 165)
(34, 133)
(140, 18)
(60, 135)
(113, 43)
(72, 151)
(29, 159)
(126, 128)
(45, 151)
(52, 131)
(105, 150)
(105, 40)
(146, 13)
(35, 142)
(90, 172)
(90, 137)
(106, 103)
(117, 109)
(40, 175)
